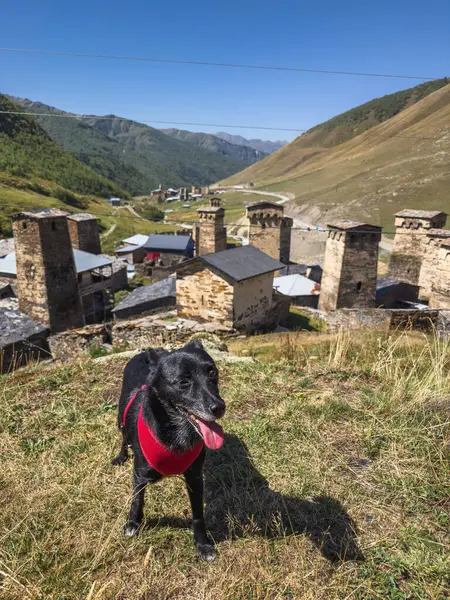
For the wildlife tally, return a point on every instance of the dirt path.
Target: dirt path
(134, 213)
(110, 230)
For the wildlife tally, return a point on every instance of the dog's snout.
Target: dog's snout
(218, 408)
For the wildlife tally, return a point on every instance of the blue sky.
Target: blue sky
(396, 36)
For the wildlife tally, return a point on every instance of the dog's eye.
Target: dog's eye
(185, 382)
(212, 372)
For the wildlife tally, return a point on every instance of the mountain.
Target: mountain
(240, 152)
(26, 150)
(369, 162)
(265, 146)
(137, 157)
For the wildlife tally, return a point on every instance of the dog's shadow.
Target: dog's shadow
(239, 502)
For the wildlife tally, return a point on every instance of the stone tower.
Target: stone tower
(430, 263)
(410, 243)
(440, 293)
(349, 278)
(46, 275)
(270, 230)
(84, 232)
(211, 234)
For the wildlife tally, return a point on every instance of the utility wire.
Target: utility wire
(108, 118)
(212, 64)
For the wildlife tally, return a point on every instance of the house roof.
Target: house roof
(136, 240)
(299, 269)
(167, 243)
(15, 326)
(126, 249)
(147, 293)
(210, 209)
(296, 285)
(42, 213)
(419, 214)
(84, 261)
(347, 225)
(242, 263)
(439, 233)
(264, 204)
(82, 217)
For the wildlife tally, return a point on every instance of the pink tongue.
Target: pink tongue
(212, 433)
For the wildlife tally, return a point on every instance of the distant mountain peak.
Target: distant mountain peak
(264, 146)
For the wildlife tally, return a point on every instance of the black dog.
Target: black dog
(167, 413)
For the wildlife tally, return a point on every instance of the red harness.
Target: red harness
(158, 456)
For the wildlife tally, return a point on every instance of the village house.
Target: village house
(300, 290)
(131, 254)
(21, 338)
(233, 287)
(167, 249)
(147, 299)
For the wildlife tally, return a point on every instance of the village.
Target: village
(57, 288)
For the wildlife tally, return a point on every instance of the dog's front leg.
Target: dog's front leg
(194, 483)
(141, 477)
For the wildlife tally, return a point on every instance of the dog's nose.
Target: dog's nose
(218, 409)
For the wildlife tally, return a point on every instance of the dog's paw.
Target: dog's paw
(119, 460)
(131, 529)
(206, 552)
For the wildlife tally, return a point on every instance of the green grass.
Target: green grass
(332, 483)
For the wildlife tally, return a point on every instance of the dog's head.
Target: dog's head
(187, 380)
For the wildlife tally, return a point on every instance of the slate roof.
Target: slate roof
(82, 217)
(296, 285)
(347, 224)
(242, 263)
(264, 204)
(84, 261)
(147, 293)
(42, 213)
(16, 327)
(299, 269)
(169, 243)
(419, 214)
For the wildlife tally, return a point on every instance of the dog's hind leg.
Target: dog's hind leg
(194, 483)
(122, 457)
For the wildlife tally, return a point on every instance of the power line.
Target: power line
(107, 118)
(213, 64)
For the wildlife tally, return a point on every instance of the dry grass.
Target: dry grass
(332, 483)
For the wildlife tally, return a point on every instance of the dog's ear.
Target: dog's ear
(194, 344)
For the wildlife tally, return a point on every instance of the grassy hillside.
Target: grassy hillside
(332, 482)
(240, 152)
(183, 164)
(137, 165)
(399, 162)
(27, 151)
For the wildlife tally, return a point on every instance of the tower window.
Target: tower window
(24, 224)
(53, 226)
(358, 286)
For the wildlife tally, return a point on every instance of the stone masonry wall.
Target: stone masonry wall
(46, 278)
(203, 295)
(212, 236)
(440, 293)
(429, 272)
(85, 235)
(71, 345)
(253, 302)
(350, 271)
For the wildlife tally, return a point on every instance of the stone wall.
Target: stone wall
(253, 302)
(430, 261)
(211, 235)
(440, 293)
(46, 277)
(203, 295)
(349, 276)
(72, 345)
(270, 230)
(379, 319)
(85, 235)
